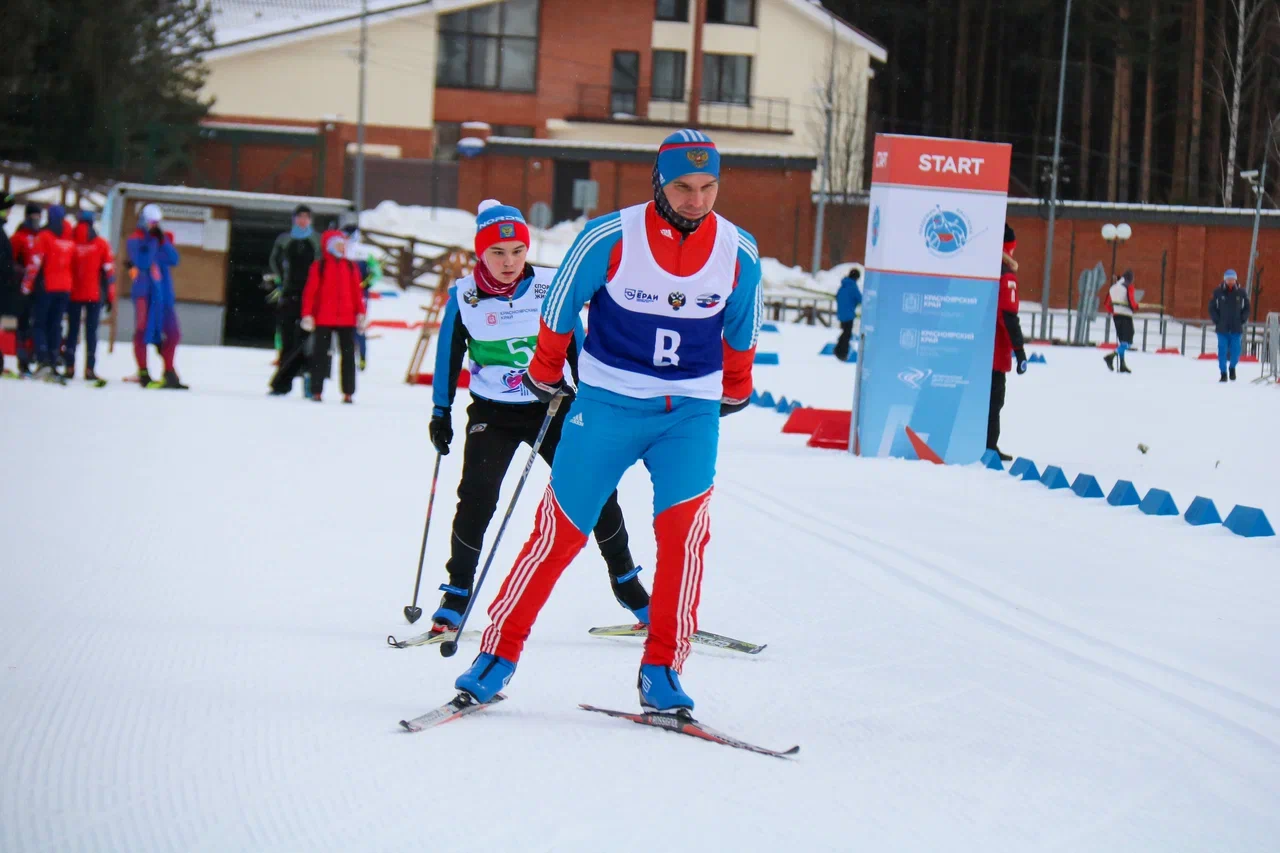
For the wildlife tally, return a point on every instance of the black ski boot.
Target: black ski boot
(144, 378)
(1124, 368)
(1110, 359)
(172, 382)
(1223, 377)
(1232, 374)
(624, 578)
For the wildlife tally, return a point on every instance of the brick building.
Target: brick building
(567, 89)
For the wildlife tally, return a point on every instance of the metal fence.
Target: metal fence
(1270, 355)
(1152, 333)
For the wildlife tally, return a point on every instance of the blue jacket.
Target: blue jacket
(848, 298)
(153, 260)
(1229, 309)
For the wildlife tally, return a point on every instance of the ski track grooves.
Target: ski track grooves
(805, 520)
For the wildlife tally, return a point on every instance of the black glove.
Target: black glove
(441, 429)
(728, 405)
(546, 393)
(157, 233)
(1021, 355)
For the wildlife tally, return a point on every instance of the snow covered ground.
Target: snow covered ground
(198, 587)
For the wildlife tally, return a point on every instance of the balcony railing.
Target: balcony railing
(598, 102)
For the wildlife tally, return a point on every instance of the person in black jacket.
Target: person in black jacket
(8, 279)
(1229, 310)
(291, 258)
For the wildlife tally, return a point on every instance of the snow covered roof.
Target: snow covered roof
(649, 149)
(256, 24)
(846, 31)
(232, 198)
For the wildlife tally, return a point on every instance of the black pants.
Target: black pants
(25, 340)
(998, 378)
(293, 352)
(842, 344)
(320, 358)
(494, 433)
(1124, 329)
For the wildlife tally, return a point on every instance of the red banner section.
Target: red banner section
(954, 164)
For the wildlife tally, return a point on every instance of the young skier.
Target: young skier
(1122, 302)
(48, 282)
(493, 317)
(675, 308)
(92, 287)
(153, 255)
(333, 304)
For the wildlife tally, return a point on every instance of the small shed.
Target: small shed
(224, 240)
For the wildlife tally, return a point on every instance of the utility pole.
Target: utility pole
(824, 187)
(364, 61)
(1053, 175)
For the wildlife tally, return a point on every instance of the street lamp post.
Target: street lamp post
(360, 129)
(1259, 185)
(1115, 235)
(1054, 169)
(824, 187)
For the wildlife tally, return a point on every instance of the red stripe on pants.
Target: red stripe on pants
(551, 547)
(682, 533)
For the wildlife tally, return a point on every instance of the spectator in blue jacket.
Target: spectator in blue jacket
(153, 255)
(848, 298)
(1229, 310)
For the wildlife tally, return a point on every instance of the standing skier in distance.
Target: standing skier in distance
(153, 255)
(1122, 302)
(493, 317)
(290, 264)
(48, 281)
(675, 310)
(8, 279)
(1229, 310)
(1009, 340)
(848, 298)
(24, 240)
(333, 305)
(92, 288)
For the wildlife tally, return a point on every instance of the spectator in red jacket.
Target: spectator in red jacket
(48, 281)
(92, 287)
(1009, 340)
(333, 302)
(24, 241)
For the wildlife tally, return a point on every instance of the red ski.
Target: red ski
(684, 724)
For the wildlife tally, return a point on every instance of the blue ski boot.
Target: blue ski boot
(449, 614)
(487, 675)
(660, 690)
(627, 589)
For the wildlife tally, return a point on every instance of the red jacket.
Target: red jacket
(1002, 358)
(92, 264)
(24, 239)
(333, 296)
(51, 258)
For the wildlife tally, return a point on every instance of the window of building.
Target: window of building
(522, 131)
(741, 12)
(625, 82)
(668, 75)
(673, 10)
(726, 78)
(490, 47)
(447, 134)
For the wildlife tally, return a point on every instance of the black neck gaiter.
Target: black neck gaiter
(685, 226)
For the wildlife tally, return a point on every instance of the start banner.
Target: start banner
(934, 237)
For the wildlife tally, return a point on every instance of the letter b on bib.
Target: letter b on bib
(664, 349)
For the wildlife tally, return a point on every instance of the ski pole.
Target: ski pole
(413, 612)
(450, 647)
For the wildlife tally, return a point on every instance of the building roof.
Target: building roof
(583, 149)
(231, 198)
(846, 30)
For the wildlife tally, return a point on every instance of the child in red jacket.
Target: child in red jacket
(333, 303)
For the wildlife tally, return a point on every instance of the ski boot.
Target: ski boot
(1110, 359)
(452, 605)
(627, 589)
(317, 398)
(144, 378)
(1124, 368)
(1232, 374)
(1004, 457)
(487, 675)
(346, 399)
(1223, 377)
(172, 382)
(660, 690)
(89, 375)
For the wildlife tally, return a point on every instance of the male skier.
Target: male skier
(674, 293)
